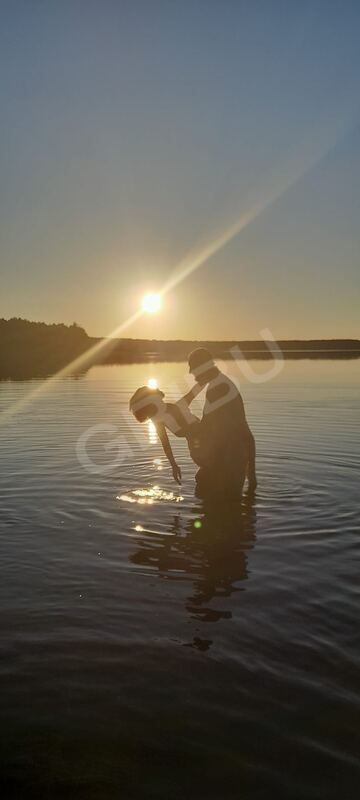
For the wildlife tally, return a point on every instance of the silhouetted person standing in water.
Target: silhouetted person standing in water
(221, 443)
(224, 425)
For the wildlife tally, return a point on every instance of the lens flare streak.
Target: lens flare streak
(284, 177)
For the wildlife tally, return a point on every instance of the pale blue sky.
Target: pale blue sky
(135, 132)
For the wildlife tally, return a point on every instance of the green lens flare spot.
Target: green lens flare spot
(197, 523)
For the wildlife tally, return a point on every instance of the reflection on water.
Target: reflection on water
(210, 550)
(142, 628)
(152, 432)
(152, 383)
(150, 496)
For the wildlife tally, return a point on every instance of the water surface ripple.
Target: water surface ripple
(153, 645)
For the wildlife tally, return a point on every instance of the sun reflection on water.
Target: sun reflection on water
(152, 432)
(148, 496)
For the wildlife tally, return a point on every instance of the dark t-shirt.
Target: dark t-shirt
(224, 413)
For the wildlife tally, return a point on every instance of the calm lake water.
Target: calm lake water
(153, 647)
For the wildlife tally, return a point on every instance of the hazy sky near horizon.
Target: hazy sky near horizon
(135, 133)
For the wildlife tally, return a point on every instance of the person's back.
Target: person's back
(224, 408)
(177, 418)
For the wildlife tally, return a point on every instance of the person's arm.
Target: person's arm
(252, 458)
(164, 439)
(190, 396)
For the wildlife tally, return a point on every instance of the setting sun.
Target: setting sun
(151, 303)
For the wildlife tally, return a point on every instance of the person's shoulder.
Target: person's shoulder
(221, 385)
(225, 378)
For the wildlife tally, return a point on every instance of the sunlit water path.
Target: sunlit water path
(155, 646)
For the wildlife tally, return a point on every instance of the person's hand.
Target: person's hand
(176, 471)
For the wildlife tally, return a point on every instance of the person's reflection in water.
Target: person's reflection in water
(210, 550)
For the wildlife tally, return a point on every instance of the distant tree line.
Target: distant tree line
(35, 349)
(140, 350)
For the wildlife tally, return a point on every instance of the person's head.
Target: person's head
(146, 403)
(201, 365)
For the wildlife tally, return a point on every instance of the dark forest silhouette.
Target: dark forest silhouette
(35, 349)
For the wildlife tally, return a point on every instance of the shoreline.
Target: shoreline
(36, 350)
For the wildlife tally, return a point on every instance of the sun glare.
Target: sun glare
(151, 303)
(152, 383)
